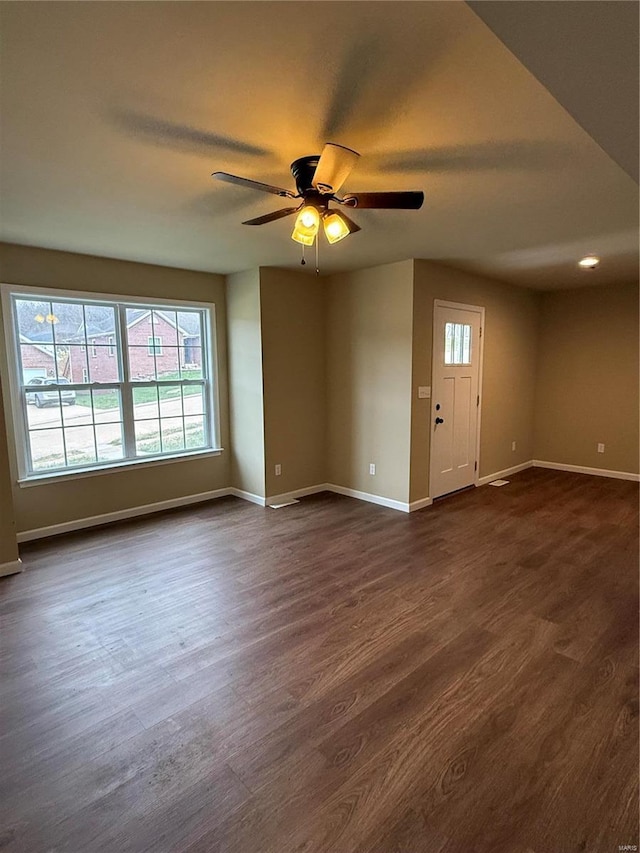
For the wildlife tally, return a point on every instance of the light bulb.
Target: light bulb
(335, 227)
(589, 262)
(307, 218)
(306, 227)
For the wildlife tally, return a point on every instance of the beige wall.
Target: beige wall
(246, 402)
(587, 383)
(508, 386)
(38, 506)
(369, 379)
(324, 375)
(293, 363)
(8, 546)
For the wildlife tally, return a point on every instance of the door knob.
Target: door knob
(439, 420)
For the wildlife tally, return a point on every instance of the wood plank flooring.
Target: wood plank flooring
(332, 676)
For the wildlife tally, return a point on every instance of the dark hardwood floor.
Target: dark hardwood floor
(331, 676)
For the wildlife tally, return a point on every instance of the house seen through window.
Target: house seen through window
(105, 383)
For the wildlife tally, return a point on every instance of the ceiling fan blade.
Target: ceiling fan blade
(334, 167)
(388, 201)
(271, 217)
(253, 185)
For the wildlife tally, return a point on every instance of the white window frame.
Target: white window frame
(18, 404)
(111, 350)
(154, 345)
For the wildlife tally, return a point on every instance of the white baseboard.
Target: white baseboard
(351, 493)
(11, 568)
(247, 496)
(147, 509)
(297, 493)
(580, 469)
(118, 515)
(500, 475)
(173, 503)
(159, 506)
(365, 496)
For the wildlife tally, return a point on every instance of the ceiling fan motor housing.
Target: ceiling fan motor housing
(303, 169)
(318, 178)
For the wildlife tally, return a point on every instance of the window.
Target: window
(154, 345)
(135, 398)
(457, 343)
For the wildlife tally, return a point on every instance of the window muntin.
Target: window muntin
(154, 345)
(457, 343)
(111, 407)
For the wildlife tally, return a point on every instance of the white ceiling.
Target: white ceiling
(115, 114)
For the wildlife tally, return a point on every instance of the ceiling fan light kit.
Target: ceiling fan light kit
(306, 227)
(336, 227)
(318, 179)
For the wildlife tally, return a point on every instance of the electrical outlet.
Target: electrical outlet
(513, 445)
(372, 468)
(278, 470)
(601, 448)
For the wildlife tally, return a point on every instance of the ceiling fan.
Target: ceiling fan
(318, 179)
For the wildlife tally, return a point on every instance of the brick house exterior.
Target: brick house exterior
(37, 360)
(98, 360)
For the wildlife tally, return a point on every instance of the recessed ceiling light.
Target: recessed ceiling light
(589, 263)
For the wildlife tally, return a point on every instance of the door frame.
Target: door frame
(478, 309)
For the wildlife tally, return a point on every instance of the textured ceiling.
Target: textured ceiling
(115, 114)
(586, 54)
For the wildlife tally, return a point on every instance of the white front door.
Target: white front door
(457, 331)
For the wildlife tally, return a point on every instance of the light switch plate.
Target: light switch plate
(424, 392)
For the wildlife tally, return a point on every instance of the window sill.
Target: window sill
(127, 465)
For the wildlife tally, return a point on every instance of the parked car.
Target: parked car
(50, 398)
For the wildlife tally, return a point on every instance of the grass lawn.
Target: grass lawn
(108, 399)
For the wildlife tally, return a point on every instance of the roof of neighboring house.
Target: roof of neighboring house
(189, 322)
(188, 326)
(47, 350)
(39, 322)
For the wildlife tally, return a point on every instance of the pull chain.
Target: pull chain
(303, 262)
(317, 265)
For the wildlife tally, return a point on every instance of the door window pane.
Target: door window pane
(457, 343)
